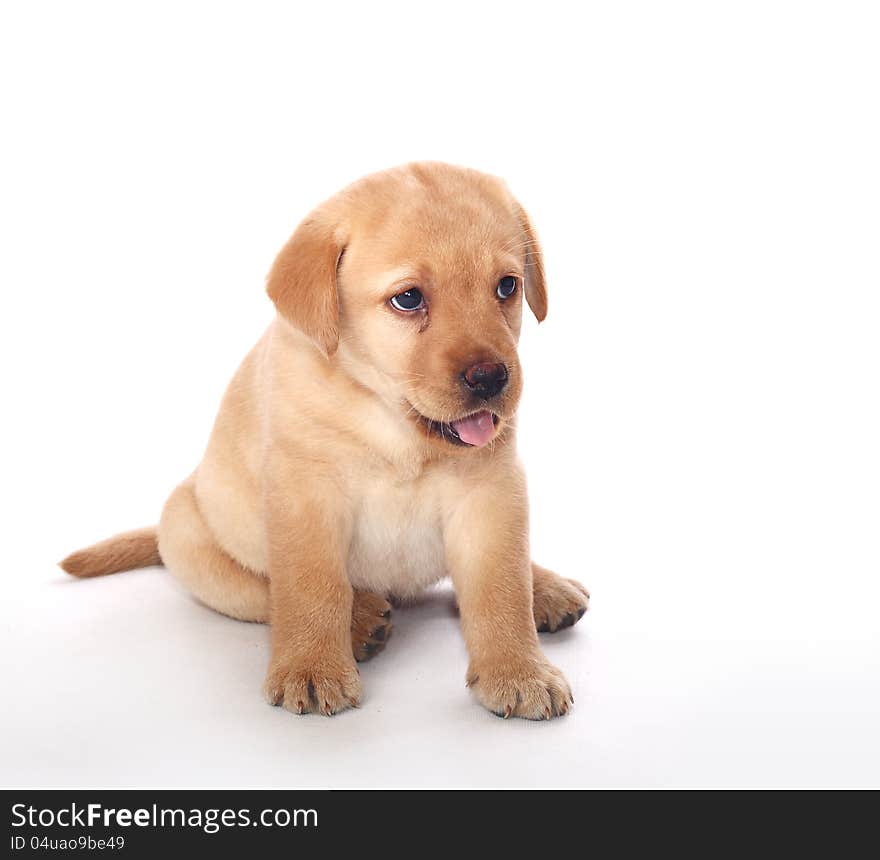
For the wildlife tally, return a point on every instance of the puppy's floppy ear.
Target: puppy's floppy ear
(302, 281)
(535, 283)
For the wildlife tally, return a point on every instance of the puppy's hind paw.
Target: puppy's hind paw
(370, 625)
(558, 602)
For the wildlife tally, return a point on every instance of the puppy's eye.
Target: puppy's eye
(506, 287)
(411, 300)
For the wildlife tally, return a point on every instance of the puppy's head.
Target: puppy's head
(414, 281)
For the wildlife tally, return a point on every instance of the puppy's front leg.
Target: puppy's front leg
(312, 667)
(487, 552)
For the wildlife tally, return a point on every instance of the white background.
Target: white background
(701, 419)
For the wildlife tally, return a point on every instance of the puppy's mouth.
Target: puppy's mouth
(472, 431)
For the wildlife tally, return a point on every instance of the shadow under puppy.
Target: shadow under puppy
(365, 449)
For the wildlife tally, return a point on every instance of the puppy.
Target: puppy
(365, 449)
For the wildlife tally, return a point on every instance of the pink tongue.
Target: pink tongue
(476, 429)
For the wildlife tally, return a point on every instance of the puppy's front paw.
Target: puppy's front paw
(558, 602)
(318, 687)
(532, 688)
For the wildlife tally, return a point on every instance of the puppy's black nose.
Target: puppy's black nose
(485, 379)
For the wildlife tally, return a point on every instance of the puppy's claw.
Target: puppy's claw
(507, 712)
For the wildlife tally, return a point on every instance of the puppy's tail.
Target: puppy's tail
(126, 551)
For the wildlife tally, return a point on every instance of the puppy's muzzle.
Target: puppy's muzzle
(486, 379)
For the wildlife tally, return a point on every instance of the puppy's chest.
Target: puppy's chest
(397, 544)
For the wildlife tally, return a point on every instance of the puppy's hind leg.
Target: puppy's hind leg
(190, 552)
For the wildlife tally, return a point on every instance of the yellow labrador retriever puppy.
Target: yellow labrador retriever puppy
(365, 449)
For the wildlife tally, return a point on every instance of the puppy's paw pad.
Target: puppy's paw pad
(325, 689)
(370, 624)
(535, 690)
(559, 603)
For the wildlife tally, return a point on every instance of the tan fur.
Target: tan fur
(324, 488)
(126, 551)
